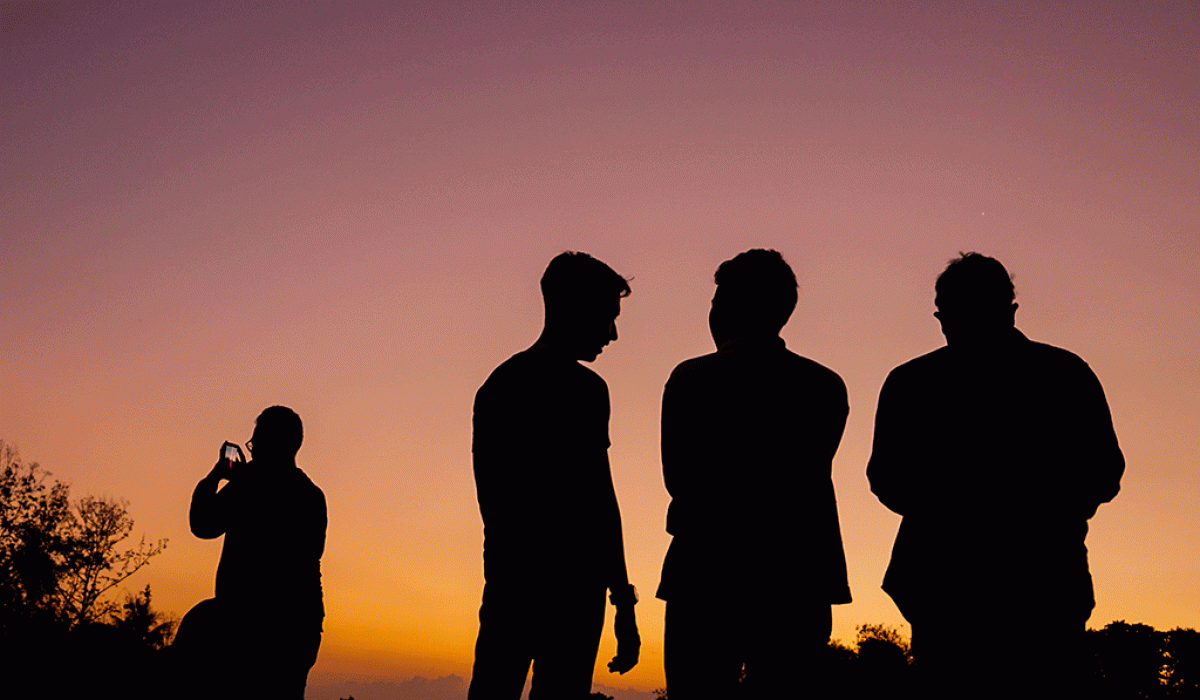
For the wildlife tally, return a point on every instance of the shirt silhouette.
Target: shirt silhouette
(273, 518)
(259, 636)
(748, 438)
(552, 527)
(996, 450)
(756, 558)
(996, 461)
(545, 489)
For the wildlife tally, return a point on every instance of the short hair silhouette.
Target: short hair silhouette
(761, 284)
(573, 279)
(282, 427)
(974, 283)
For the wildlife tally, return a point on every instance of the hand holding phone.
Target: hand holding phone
(232, 452)
(230, 455)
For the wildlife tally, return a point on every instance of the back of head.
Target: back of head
(757, 291)
(278, 431)
(974, 284)
(975, 300)
(577, 281)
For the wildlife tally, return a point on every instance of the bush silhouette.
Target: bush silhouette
(60, 564)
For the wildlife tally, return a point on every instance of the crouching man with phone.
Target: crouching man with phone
(259, 636)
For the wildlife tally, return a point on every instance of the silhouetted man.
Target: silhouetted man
(551, 524)
(996, 450)
(259, 636)
(748, 438)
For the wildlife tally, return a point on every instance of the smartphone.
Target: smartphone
(232, 452)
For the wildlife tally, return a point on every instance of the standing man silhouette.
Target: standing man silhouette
(259, 636)
(551, 523)
(748, 438)
(996, 450)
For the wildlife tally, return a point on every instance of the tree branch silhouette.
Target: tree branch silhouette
(60, 560)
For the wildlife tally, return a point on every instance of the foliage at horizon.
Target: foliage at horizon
(1123, 662)
(61, 562)
(61, 559)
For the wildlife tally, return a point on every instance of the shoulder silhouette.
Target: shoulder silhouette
(996, 450)
(552, 528)
(749, 433)
(259, 636)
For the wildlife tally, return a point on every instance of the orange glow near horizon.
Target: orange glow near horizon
(385, 185)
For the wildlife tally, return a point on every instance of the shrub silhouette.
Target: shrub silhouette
(60, 564)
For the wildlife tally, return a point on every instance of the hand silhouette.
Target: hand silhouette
(224, 468)
(629, 643)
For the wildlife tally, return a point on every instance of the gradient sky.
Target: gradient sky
(345, 208)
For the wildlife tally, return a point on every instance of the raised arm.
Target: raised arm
(208, 514)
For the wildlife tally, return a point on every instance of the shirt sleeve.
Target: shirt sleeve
(1102, 456)
(679, 446)
(208, 515)
(888, 468)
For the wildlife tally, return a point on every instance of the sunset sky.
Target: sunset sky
(210, 208)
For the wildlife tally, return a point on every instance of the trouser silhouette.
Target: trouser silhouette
(781, 645)
(557, 631)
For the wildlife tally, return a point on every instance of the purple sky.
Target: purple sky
(345, 208)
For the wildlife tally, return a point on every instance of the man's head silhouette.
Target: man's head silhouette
(975, 300)
(583, 299)
(756, 294)
(278, 433)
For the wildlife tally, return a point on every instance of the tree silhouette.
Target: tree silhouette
(32, 540)
(883, 642)
(881, 664)
(1128, 661)
(142, 626)
(1183, 663)
(60, 563)
(1137, 662)
(60, 560)
(878, 665)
